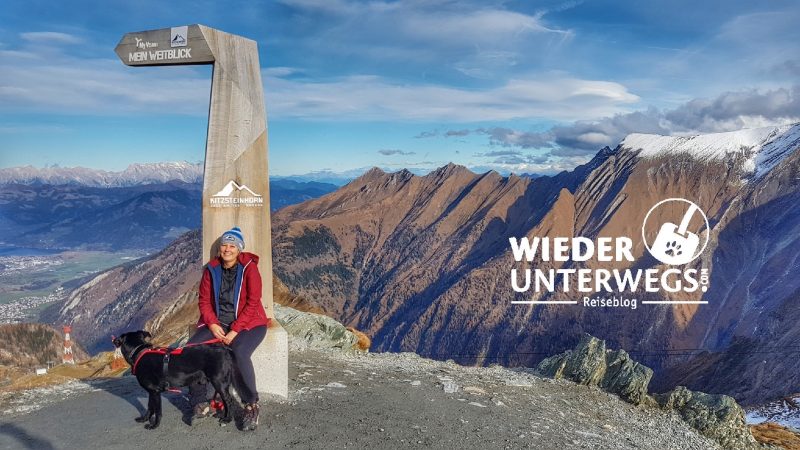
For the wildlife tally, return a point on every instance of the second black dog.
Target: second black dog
(211, 363)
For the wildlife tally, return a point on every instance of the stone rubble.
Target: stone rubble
(718, 417)
(556, 412)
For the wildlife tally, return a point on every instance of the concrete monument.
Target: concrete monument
(236, 182)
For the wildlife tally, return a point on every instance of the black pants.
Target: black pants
(243, 347)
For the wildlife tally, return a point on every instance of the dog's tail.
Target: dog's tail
(238, 381)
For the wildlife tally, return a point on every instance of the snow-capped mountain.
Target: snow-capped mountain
(757, 150)
(135, 174)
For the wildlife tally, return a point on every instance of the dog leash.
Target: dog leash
(167, 352)
(170, 351)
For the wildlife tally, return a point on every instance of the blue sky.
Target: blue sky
(510, 86)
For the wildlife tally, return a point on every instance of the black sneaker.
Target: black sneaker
(250, 421)
(201, 411)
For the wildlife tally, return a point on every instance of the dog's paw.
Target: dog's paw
(225, 419)
(141, 419)
(150, 426)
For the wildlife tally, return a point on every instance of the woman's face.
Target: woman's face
(229, 253)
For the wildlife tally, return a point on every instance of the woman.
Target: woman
(231, 311)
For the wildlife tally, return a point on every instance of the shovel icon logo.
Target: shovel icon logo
(676, 244)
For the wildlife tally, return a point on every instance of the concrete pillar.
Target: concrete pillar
(236, 181)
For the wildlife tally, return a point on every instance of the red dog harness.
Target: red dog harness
(168, 352)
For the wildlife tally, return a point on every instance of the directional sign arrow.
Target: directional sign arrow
(165, 47)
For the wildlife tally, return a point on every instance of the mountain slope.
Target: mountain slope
(125, 297)
(159, 290)
(422, 263)
(32, 345)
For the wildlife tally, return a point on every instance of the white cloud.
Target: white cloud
(487, 26)
(376, 98)
(393, 151)
(728, 111)
(36, 81)
(50, 37)
(547, 166)
(65, 84)
(279, 71)
(474, 38)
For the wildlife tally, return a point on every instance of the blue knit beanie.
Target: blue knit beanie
(233, 236)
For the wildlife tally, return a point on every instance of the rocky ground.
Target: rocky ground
(357, 400)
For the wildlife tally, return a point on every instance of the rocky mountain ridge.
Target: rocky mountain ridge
(422, 263)
(590, 363)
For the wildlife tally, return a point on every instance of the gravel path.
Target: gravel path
(357, 401)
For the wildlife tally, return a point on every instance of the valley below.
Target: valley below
(31, 280)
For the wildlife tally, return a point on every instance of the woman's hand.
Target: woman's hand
(217, 331)
(227, 339)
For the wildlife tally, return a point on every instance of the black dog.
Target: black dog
(210, 363)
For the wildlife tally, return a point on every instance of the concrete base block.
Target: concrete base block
(271, 362)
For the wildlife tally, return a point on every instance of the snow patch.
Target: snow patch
(784, 412)
(764, 147)
(75, 298)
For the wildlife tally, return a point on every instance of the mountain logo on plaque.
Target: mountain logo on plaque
(234, 195)
(178, 36)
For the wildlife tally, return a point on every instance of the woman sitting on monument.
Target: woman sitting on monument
(231, 311)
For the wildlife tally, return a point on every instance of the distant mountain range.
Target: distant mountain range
(344, 177)
(72, 216)
(131, 210)
(157, 173)
(283, 192)
(134, 175)
(151, 173)
(337, 178)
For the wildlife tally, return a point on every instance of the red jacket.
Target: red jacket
(247, 294)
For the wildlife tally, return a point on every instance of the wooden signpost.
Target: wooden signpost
(235, 182)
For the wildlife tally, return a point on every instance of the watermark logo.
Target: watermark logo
(675, 232)
(676, 244)
(235, 195)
